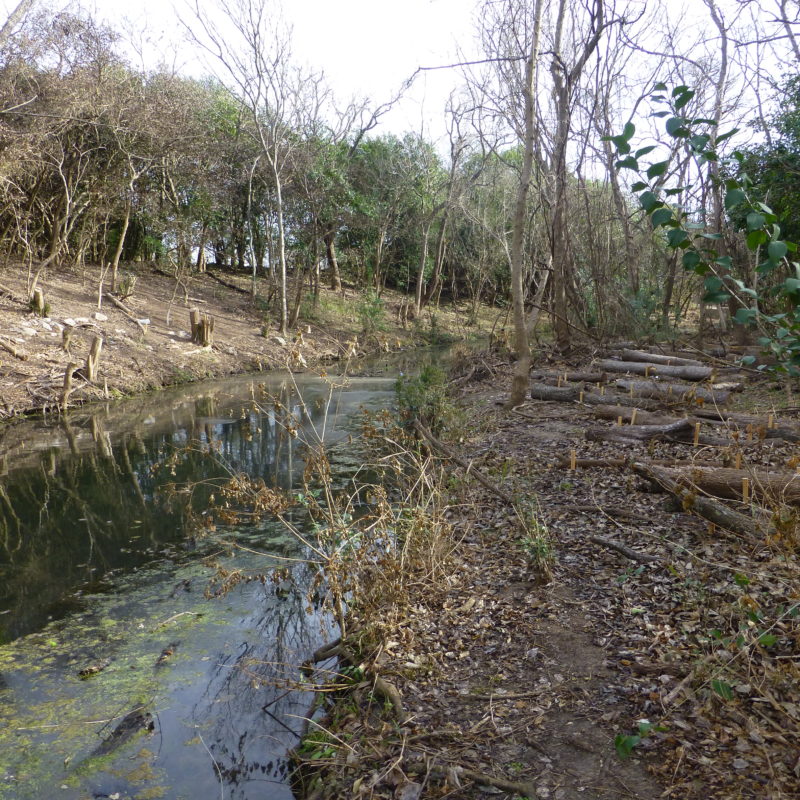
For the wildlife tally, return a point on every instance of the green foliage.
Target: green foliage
(370, 312)
(625, 744)
(537, 542)
(425, 398)
(772, 166)
(781, 328)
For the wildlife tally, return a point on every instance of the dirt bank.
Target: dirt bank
(147, 345)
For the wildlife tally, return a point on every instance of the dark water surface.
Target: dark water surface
(104, 566)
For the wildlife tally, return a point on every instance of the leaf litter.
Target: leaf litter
(546, 665)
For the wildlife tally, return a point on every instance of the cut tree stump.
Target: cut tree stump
(673, 392)
(93, 359)
(37, 301)
(66, 389)
(659, 370)
(202, 326)
(658, 358)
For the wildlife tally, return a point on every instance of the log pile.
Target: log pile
(678, 401)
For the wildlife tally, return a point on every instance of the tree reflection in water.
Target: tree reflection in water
(79, 518)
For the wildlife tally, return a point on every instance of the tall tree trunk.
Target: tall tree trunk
(330, 254)
(281, 253)
(423, 261)
(519, 384)
(121, 243)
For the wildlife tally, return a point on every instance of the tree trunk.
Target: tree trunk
(519, 385)
(121, 243)
(333, 264)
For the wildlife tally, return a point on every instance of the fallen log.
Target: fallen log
(679, 431)
(673, 392)
(624, 463)
(631, 415)
(9, 348)
(126, 311)
(626, 434)
(226, 284)
(657, 358)
(660, 370)
(589, 463)
(541, 391)
(572, 377)
(712, 510)
(565, 394)
(4, 290)
(740, 484)
(637, 415)
(760, 427)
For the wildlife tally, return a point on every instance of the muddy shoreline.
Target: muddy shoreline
(146, 344)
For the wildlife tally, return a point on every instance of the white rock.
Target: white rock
(279, 340)
(82, 320)
(29, 331)
(46, 325)
(100, 317)
(70, 322)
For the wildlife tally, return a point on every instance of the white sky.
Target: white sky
(365, 47)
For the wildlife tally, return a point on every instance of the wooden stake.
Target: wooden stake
(573, 460)
(696, 434)
(647, 372)
(745, 490)
(738, 461)
(750, 433)
(619, 421)
(633, 416)
(559, 382)
(770, 422)
(580, 397)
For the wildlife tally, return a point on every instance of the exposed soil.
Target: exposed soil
(541, 649)
(33, 360)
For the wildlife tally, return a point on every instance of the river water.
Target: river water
(121, 674)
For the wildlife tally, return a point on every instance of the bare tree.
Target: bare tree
(252, 49)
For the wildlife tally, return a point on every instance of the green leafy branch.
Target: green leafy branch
(781, 330)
